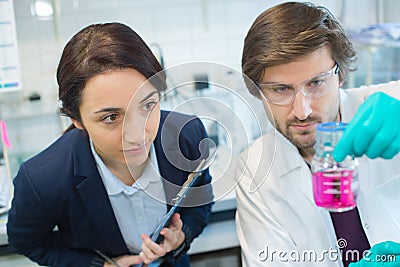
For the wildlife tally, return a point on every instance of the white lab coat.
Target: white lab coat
(278, 223)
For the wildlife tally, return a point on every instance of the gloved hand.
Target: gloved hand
(374, 130)
(385, 254)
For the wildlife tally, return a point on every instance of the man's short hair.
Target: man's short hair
(289, 31)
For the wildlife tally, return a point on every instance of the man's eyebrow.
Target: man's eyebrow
(319, 75)
(322, 74)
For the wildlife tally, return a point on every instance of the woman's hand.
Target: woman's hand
(173, 238)
(124, 261)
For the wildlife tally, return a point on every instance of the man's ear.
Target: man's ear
(77, 124)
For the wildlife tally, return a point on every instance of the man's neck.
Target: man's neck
(307, 154)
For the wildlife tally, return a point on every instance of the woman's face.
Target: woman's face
(121, 116)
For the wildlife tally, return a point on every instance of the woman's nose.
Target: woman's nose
(134, 130)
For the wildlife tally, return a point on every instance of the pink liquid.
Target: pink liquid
(333, 189)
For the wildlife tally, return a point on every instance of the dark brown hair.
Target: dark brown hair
(97, 49)
(289, 31)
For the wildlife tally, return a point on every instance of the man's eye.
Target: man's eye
(316, 83)
(280, 89)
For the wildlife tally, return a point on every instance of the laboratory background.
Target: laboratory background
(199, 41)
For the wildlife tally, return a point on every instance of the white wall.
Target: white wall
(187, 30)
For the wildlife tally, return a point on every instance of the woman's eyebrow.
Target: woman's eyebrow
(149, 96)
(107, 110)
(119, 109)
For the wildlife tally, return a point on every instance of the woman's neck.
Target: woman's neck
(127, 175)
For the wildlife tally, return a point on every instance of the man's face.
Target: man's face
(297, 120)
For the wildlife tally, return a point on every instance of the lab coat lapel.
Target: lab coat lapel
(387, 194)
(292, 165)
(348, 110)
(298, 181)
(287, 155)
(378, 199)
(95, 199)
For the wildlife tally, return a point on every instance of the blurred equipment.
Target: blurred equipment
(201, 81)
(5, 173)
(378, 46)
(157, 51)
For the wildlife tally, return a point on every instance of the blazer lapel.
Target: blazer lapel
(170, 176)
(95, 199)
(167, 150)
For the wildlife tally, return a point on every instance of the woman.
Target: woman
(94, 196)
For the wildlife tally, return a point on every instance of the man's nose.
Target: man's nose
(301, 105)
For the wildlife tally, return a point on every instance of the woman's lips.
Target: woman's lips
(136, 150)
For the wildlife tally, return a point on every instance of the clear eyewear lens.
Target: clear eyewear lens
(281, 94)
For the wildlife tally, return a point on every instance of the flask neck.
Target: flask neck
(326, 137)
(326, 142)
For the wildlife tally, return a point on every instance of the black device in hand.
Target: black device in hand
(166, 221)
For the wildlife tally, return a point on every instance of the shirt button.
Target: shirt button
(366, 226)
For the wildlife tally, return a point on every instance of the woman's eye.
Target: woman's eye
(149, 105)
(110, 118)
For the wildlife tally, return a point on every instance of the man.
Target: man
(295, 58)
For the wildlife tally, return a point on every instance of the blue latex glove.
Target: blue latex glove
(385, 254)
(374, 130)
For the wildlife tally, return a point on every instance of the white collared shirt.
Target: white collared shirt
(137, 208)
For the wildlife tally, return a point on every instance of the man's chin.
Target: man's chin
(304, 145)
(302, 141)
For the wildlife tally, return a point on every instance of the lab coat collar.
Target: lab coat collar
(347, 111)
(295, 168)
(285, 147)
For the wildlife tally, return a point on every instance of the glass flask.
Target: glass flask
(335, 184)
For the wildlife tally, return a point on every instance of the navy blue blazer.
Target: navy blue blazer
(61, 212)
